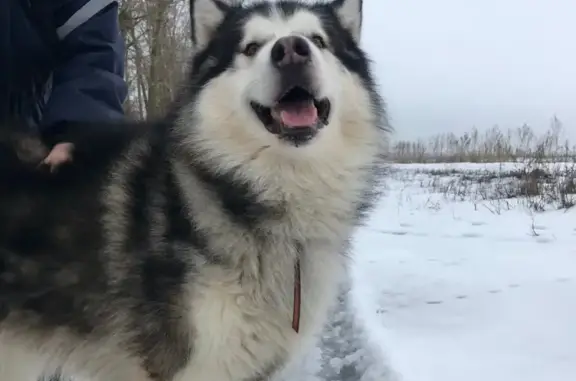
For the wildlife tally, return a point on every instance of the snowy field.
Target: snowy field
(467, 291)
(452, 284)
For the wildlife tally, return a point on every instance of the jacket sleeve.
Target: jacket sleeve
(88, 83)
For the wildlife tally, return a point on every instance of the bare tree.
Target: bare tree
(157, 38)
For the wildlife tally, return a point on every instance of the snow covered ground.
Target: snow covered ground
(459, 291)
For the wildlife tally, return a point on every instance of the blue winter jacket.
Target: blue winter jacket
(60, 61)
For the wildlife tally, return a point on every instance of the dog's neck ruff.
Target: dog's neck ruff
(297, 298)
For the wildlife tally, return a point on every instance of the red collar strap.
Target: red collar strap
(297, 298)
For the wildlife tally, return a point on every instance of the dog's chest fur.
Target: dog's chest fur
(241, 310)
(244, 331)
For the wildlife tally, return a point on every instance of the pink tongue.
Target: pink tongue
(305, 115)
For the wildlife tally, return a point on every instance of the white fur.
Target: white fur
(207, 17)
(26, 358)
(350, 14)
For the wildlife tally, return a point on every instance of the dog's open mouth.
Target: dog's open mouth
(297, 115)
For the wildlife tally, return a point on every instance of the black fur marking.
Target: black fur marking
(157, 228)
(138, 233)
(179, 227)
(162, 343)
(237, 197)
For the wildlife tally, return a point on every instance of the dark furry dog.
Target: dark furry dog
(208, 245)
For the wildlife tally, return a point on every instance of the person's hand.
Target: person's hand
(60, 154)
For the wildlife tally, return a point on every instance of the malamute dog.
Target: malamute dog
(207, 246)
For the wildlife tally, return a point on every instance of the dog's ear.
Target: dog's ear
(350, 14)
(205, 16)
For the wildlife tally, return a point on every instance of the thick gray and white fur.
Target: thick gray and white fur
(166, 251)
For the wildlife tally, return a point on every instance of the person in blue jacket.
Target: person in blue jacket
(61, 62)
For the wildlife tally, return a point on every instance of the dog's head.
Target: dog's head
(286, 75)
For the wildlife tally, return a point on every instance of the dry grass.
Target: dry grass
(537, 186)
(492, 146)
(543, 174)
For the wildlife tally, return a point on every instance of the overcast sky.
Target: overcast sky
(447, 65)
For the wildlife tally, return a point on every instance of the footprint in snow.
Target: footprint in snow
(471, 235)
(478, 223)
(394, 232)
(563, 280)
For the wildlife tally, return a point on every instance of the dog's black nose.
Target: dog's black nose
(290, 50)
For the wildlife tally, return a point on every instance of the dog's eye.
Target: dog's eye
(319, 41)
(251, 49)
